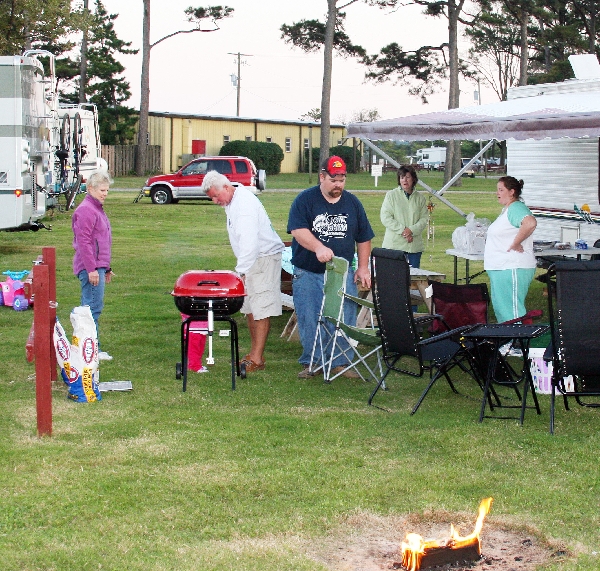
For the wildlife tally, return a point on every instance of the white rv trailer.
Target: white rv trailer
(560, 175)
(35, 131)
(25, 161)
(431, 157)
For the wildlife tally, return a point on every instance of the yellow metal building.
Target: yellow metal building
(184, 136)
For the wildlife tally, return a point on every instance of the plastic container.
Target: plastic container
(541, 372)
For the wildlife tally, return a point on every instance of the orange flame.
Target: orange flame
(414, 546)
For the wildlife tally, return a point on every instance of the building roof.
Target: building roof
(240, 119)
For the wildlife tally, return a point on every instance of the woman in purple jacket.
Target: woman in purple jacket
(92, 241)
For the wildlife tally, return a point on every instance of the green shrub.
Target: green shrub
(340, 151)
(346, 153)
(267, 156)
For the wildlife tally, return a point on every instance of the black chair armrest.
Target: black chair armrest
(447, 335)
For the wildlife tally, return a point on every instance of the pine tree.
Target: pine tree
(25, 24)
(106, 86)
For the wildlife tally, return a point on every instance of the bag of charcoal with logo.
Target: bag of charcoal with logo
(78, 360)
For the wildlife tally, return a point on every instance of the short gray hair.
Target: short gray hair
(214, 179)
(99, 177)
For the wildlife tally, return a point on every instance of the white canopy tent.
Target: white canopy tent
(540, 117)
(532, 114)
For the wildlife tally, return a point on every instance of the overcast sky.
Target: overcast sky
(190, 73)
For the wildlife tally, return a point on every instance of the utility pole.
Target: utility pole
(238, 81)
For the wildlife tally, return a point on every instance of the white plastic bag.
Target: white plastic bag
(78, 360)
(470, 238)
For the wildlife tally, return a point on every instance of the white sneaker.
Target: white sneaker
(202, 369)
(505, 349)
(104, 356)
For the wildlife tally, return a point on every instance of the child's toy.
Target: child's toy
(20, 303)
(10, 288)
(16, 275)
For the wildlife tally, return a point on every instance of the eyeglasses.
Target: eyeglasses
(337, 178)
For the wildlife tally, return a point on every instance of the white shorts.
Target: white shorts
(263, 288)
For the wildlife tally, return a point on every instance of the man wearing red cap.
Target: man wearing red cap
(325, 222)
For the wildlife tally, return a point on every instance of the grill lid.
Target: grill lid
(209, 284)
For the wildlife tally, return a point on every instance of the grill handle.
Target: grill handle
(208, 282)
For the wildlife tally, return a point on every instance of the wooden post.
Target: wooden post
(43, 346)
(49, 258)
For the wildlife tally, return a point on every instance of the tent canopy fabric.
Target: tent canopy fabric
(552, 116)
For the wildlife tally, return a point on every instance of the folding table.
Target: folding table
(496, 335)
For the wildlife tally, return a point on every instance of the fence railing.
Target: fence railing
(121, 159)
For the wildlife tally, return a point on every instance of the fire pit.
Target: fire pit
(418, 554)
(211, 296)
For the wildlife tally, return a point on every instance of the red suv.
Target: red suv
(187, 182)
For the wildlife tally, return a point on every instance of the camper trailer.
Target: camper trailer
(25, 161)
(46, 149)
(432, 157)
(561, 176)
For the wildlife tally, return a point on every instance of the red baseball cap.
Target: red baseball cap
(335, 165)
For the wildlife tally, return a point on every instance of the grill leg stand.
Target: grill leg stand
(235, 355)
(211, 327)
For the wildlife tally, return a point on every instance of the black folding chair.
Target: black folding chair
(574, 310)
(402, 344)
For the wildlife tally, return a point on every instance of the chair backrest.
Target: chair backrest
(596, 256)
(459, 304)
(390, 284)
(574, 320)
(336, 272)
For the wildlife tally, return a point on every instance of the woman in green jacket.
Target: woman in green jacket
(404, 215)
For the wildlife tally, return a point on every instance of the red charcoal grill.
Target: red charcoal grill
(209, 295)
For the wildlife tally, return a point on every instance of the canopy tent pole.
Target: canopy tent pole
(425, 186)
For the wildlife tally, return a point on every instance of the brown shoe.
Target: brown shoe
(306, 373)
(251, 366)
(349, 374)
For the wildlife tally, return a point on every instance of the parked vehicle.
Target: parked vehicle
(476, 163)
(431, 158)
(493, 162)
(473, 169)
(187, 181)
(46, 148)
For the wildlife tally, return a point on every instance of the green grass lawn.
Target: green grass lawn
(212, 479)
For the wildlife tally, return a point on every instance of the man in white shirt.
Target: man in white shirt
(257, 248)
